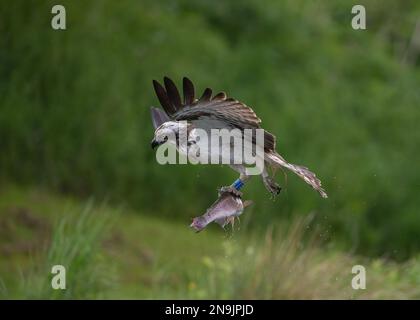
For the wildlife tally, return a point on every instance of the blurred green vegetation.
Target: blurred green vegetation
(115, 255)
(74, 106)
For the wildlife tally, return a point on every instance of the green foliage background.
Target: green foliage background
(74, 106)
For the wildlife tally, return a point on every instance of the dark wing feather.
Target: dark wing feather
(188, 91)
(231, 111)
(220, 96)
(269, 141)
(173, 93)
(206, 96)
(163, 98)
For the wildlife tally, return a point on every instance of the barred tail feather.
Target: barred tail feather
(308, 176)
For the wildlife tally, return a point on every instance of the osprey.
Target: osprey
(218, 112)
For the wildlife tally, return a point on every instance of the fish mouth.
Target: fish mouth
(198, 224)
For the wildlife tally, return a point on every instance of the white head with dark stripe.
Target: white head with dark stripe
(168, 132)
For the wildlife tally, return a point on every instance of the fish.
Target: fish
(223, 211)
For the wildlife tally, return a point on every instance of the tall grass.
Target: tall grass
(143, 257)
(291, 265)
(75, 244)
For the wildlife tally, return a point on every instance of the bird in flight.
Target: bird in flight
(218, 112)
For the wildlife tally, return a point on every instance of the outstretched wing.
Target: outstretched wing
(158, 117)
(217, 111)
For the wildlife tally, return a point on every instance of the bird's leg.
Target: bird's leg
(270, 184)
(238, 184)
(234, 188)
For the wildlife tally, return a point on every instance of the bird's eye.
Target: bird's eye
(165, 139)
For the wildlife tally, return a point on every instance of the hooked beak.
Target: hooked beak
(155, 143)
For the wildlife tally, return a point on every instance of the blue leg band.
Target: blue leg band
(238, 184)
